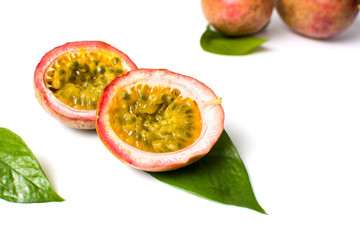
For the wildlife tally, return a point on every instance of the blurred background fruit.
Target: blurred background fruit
(318, 18)
(238, 17)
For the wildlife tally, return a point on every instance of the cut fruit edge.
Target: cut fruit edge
(212, 115)
(84, 119)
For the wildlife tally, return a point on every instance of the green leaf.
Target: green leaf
(220, 176)
(216, 42)
(21, 178)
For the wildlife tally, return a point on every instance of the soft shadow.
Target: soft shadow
(88, 132)
(352, 34)
(274, 29)
(260, 49)
(140, 173)
(48, 170)
(240, 139)
(348, 36)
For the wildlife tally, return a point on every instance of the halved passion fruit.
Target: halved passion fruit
(158, 120)
(70, 78)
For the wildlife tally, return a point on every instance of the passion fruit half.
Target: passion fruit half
(158, 120)
(70, 78)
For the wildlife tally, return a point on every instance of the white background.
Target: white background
(292, 109)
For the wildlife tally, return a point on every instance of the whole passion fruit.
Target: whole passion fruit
(318, 18)
(70, 78)
(158, 120)
(238, 17)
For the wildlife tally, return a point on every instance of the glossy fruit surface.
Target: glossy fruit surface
(158, 120)
(69, 80)
(237, 17)
(318, 18)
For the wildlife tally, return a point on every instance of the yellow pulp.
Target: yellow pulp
(78, 79)
(155, 119)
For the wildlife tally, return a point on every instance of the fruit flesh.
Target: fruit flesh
(212, 119)
(78, 79)
(155, 119)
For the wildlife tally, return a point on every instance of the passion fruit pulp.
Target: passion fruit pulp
(158, 120)
(155, 119)
(70, 78)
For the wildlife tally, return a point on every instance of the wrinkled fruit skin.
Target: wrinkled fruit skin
(75, 118)
(212, 115)
(318, 18)
(238, 17)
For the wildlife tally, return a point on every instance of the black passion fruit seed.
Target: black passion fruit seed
(155, 119)
(77, 79)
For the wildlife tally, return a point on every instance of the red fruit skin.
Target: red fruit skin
(212, 119)
(238, 17)
(318, 18)
(81, 119)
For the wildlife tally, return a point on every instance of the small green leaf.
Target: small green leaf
(216, 42)
(21, 178)
(220, 176)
